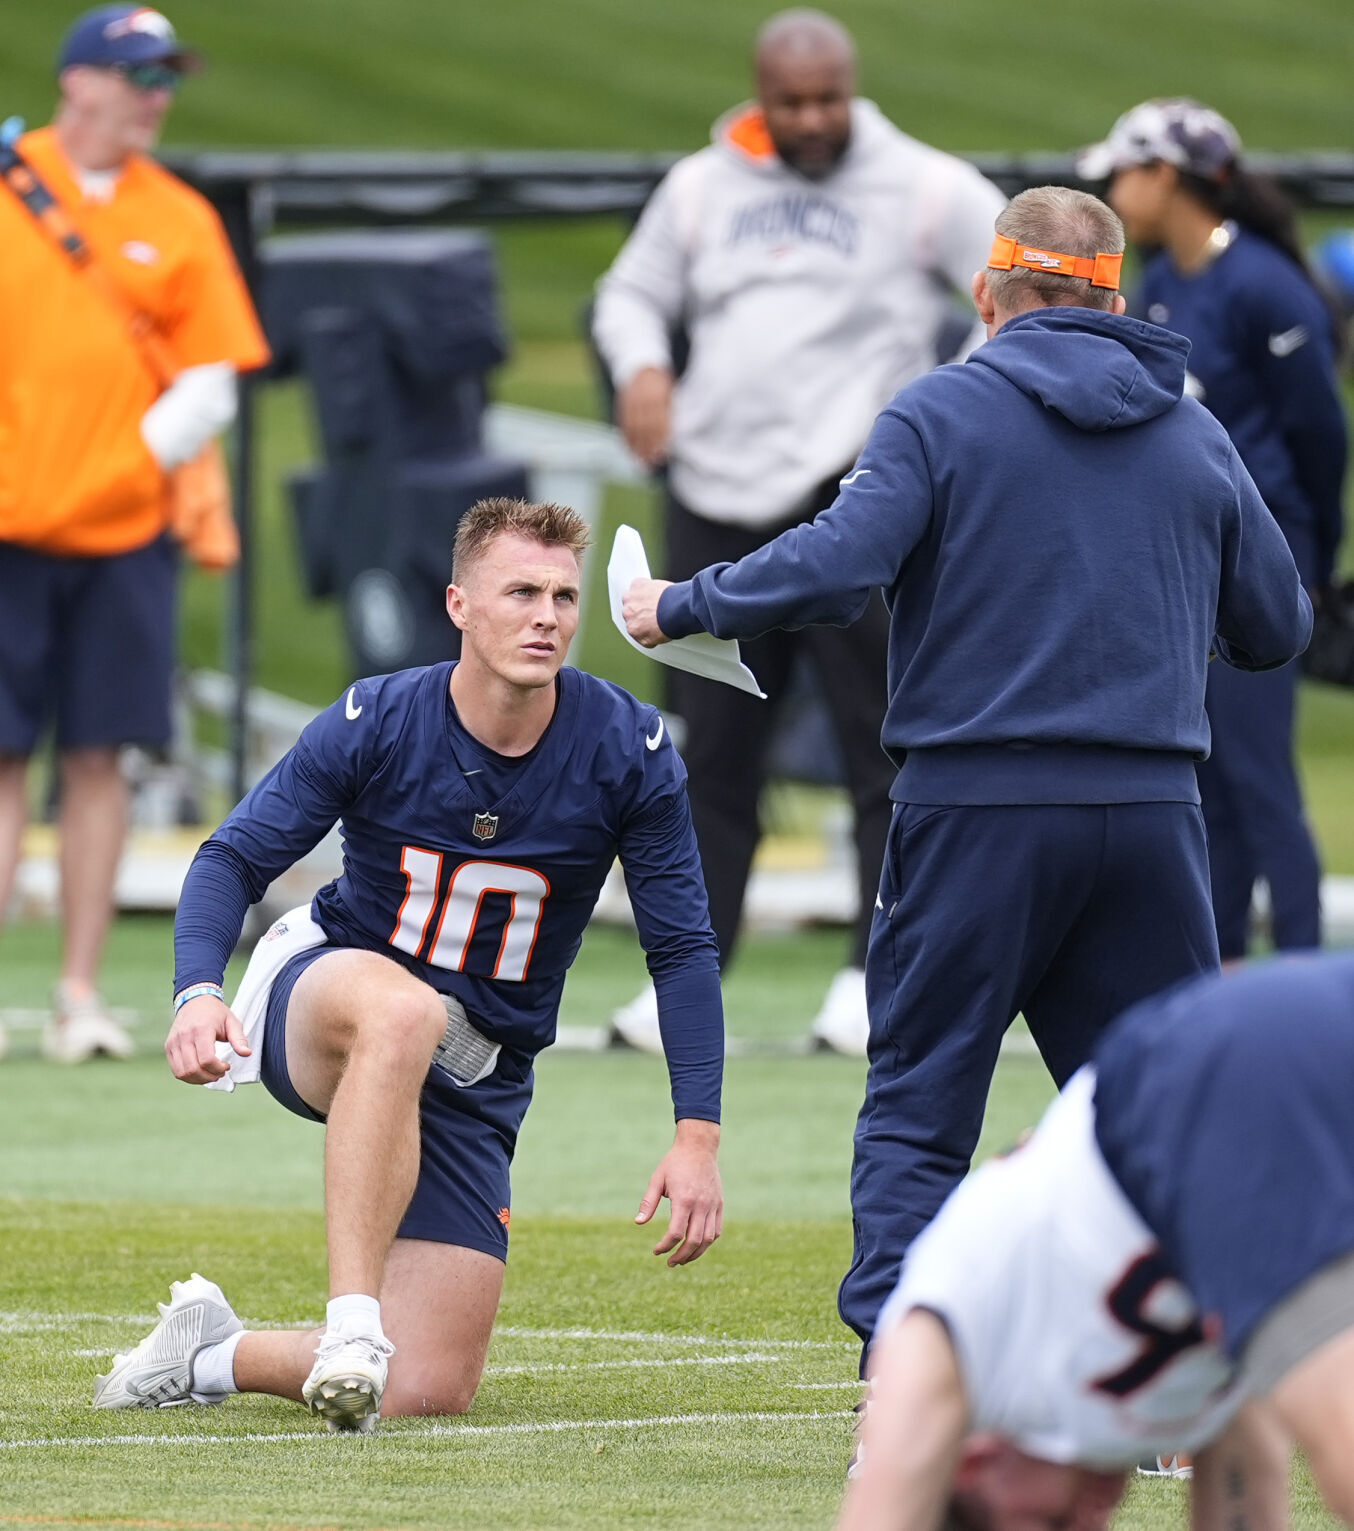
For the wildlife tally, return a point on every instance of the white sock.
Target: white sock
(214, 1367)
(354, 1306)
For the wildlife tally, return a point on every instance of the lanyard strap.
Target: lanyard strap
(53, 219)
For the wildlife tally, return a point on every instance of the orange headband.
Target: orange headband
(1103, 270)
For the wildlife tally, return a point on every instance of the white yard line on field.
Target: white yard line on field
(647, 1337)
(19, 1322)
(416, 1432)
(40, 1323)
(746, 1358)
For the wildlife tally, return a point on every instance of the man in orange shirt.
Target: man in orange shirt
(88, 436)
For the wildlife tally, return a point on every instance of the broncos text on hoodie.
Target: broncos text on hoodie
(808, 303)
(1062, 538)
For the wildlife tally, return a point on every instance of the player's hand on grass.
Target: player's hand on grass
(689, 1177)
(639, 606)
(191, 1043)
(644, 414)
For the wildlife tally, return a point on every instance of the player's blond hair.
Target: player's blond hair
(555, 525)
(1056, 218)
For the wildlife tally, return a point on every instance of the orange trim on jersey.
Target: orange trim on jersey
(507, 924)
(409, 893)
(507, 929)
(471, 929)
(473, 926)
(1101, 270)
(749, 133)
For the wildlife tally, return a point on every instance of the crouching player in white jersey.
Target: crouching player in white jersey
(1168, 1263)
(482, 804)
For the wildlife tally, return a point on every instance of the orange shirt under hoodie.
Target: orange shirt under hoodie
(75, 476)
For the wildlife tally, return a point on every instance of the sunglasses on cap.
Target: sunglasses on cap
(153, 74)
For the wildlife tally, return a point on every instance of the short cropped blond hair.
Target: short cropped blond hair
(555, 525)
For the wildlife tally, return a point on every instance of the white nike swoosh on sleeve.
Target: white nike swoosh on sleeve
(652, 741)
(852, 477)
(352, 712)
(1288, 341)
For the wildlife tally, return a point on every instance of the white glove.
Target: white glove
(199, 404)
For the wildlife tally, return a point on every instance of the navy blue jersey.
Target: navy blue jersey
(485, 891)
(1262, 359)
(1223, 1110)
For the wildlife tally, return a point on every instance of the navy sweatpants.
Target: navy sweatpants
(1253, 810)
(1068, 914)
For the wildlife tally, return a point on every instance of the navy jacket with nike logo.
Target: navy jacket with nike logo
(1262, 354)
(1062, 538)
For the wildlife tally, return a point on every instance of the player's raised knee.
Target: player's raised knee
(428, 1390)
(408, 1022)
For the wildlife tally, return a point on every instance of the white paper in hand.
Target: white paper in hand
(700, 654)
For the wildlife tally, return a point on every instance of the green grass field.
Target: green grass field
(619, 1393)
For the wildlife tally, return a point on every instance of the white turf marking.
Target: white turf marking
(40, 1323)
(17, 1322)
(646, 1337)
(817, 1386)
(544, 1427)
(749, 1358)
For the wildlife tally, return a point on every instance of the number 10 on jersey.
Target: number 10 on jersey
(453, 924)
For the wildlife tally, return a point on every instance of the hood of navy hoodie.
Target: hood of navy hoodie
(1099, 371)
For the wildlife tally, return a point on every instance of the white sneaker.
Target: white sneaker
(843, 1023)
(1177, 1466)
(349, 1376)
(636, 1024)
(159, 1373)
(81, 1026)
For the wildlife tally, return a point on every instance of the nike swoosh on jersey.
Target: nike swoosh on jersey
(852, 477)
(1288, 341)
(352, 712)
(653, 740)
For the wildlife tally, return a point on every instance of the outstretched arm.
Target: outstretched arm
(1241, 1480)
(913, 1428)
(822, 571)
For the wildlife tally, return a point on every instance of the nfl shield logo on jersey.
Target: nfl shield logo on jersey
(486, 826)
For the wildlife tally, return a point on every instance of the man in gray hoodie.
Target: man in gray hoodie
(810, 252)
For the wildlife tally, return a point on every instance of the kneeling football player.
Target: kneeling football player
(481, 803)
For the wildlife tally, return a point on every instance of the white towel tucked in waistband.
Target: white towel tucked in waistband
(294, 932)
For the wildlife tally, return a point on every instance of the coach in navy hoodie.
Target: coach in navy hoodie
(1064, 540)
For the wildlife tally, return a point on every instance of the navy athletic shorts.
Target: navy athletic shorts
(1225, 1110)
(87, 643)
(467, 1134)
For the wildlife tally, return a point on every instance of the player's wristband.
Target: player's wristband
(196, 991)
